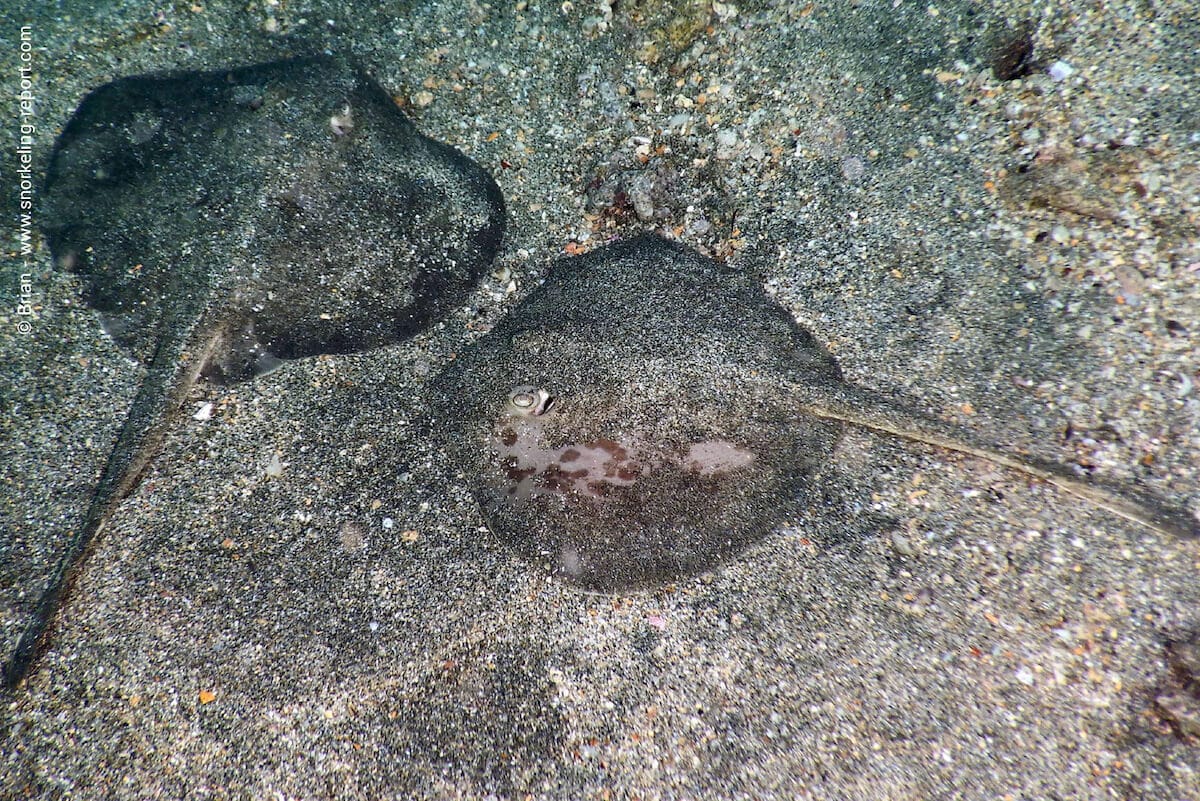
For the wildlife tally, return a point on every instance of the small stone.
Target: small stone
(1133, 283)
(726, 143)
(352, 536)
(902, 545)
(853, 168)
(342, 122)
(1181, 709)
(639, 191)
(679, 123)
(1025, 676)
(1060, 70)
(1184, 657)
(724, 11)
(1012, 53)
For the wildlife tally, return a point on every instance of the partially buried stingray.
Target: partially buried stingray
(647, 413)
(224, 221)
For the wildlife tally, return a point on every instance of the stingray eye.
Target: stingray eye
(529, 401)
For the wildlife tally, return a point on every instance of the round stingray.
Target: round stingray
(221, 222)
(616, 427)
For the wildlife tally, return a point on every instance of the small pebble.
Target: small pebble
(726, 141)
(901, 544)
(1061, 70)
(853, 168)
(1185, 385)
(679, 122)
(352, 536)
(639, 193)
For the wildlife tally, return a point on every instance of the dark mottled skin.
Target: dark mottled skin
(223, 222)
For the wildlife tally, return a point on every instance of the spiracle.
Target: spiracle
(529, 401)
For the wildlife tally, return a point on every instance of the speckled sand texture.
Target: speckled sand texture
(301, 601)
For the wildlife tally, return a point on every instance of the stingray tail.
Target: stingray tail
(866, 409)
(170, 375)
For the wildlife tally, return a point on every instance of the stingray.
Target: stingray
(647, 413)
(224, 222)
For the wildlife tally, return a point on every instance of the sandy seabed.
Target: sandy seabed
(300, 600)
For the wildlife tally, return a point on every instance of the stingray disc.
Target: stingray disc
(291, 203)
(614, 427)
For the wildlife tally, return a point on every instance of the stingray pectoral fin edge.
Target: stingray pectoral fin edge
(171, 373)
(863, 408)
